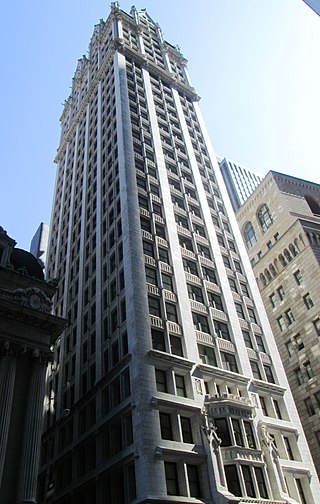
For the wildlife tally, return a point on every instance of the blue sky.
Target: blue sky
(255, 64)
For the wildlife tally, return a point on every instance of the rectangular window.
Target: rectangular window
(171, 312)
(244, 289)
(151, 276)
(263, 405)
(288, 448)
(247, 476)
(222, 330)
(316, 324)
(206, 355)
(180, 386)
(303, 499)
(161, 380)
(221, 425)
(298, 277)
(209, 274)
(252, 315)
(229, 362)
(233, 480)
(299, 376)
(269, 374)
(158, 342)
(247, 339)
(249, 434)
(260, 344)
(176, 345)
(255, 370)
(281, 293)
(290, 348)
(195, 293)
(298, 342)
(277, 409)
(171, 478)
(233, 285)
(309, 369)
(200, 322)
(261, 483)
(281, 323)
(309, 405)
(239, 310)
(166, 426)
(289, 316)
(215, 301)
(273, 300)
(237, 432)
(193, 480)
(308, 301)
(186, 430)
(154, 306)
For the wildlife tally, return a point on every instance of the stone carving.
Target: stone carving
(30, 298)
(12, 349)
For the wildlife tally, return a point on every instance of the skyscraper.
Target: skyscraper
(153, 393)
(280, 223)
(240, 181)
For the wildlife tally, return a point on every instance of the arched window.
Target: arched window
(250, 235)
(267, 275)
(287, 255)
(265, 217)
(293, 250)
(313, 204)
(282, 260)
(273, 270)
(263, 279)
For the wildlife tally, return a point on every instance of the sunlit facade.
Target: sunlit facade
(154, 394)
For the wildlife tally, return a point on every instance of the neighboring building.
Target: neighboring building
(27, 330)
(39, 244)
(314, 5)
(239, 180)
(154, 396)
(280, 223)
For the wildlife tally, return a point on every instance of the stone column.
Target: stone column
(27, 483)
(7, 379)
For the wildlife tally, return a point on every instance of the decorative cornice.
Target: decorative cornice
(16, 350)
(30, 298)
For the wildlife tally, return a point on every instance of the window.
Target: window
(158, 342)
(281, 323)
(151, 276)
(206, 355)
(269, 374)
(290, 348)
(229, 362)
(186, 430)
(237, 432)
(303, 499)
(252, 315)
(247, 476)
(148, 248)
(289, 316)
(251, 442)
(255, 370)
(237, 266)
(247, 339)
(176, 345)
(226, 261)
(288, 448)
(261, 483)
(260, 344)
(171, 312)
(281, 293)
(277, 409)
(193, 479)
(244, 289)
(209, 274)
(190, 267)
(263, 406)
(298, 342)
(298, 277)
(166, 426)
(309, 405)
(269, 244)
(233, 285)
(222, 330)
(167, 282)
(223, 433)
(316, 324)
(250, 235)
(264, 217)
(154, 306)
(273, 300)
(232, 480)
(200, 322)
(180, 386)
(299, 376)
(171, 478)
(308, 301)
(195, 293)
(161, 381)
(239, 310)
(215, 301)
(309, 369)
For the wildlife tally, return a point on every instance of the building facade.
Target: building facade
(153, 396)
(280, 223)
(39, 243)
(27, 331)
(240, 181)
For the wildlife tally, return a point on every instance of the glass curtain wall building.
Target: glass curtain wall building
(167, 384)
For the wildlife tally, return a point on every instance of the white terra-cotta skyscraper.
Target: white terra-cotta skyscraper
(153, 396)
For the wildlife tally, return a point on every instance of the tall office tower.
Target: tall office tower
(280, 223)
(154, 396)
(39, 244)
(240, 181)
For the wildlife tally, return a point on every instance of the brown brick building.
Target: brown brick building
(280, 224)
